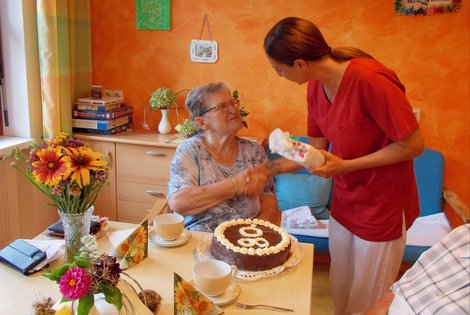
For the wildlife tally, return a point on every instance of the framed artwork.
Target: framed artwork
(426, 7)
(152, 14)
(204, 51)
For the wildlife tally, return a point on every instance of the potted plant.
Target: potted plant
(163, 98)
(187, 129)
(71, 174)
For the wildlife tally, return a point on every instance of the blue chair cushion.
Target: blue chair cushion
(412, 253)
(321, 243)
(298, 189)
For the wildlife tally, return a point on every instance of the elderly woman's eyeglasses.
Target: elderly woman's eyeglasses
(222, 107)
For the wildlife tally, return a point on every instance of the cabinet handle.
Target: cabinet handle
(154, 153)
(156, 193)
(110, 158)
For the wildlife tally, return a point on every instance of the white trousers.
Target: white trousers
(361, 271)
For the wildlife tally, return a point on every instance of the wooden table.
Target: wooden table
(292, 288)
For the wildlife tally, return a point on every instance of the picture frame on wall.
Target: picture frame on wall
(426, 7)
(204, 51)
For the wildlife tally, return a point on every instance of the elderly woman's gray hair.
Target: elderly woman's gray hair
(196, 100)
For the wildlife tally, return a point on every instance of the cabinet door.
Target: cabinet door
(105, 203)
(142, 177)
(144, 164)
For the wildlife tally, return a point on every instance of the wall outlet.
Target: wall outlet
(113, 93)
(417, 112)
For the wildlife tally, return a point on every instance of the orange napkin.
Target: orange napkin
(134, 248)
(188, 300)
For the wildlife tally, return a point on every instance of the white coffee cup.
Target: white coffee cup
(168, 226)
(212, 277)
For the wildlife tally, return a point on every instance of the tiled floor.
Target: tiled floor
(321, 298)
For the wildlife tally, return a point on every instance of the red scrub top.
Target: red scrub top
(370, 111)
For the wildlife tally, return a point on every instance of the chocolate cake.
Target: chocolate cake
(251, 244)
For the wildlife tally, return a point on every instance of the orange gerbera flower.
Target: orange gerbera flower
(50, 167)
(84, 160)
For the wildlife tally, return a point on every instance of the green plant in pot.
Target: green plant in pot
(163, 98)
(187, 129)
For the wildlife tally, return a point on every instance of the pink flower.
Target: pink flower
(75, 283)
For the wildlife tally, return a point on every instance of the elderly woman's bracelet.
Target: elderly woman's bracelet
(234, 186)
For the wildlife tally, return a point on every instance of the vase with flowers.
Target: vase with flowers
(88, 276)
(71, 174)
(163, 99)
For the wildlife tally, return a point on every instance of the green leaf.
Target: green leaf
(112, 295)
(81, 261)
(85, 304)
(235, 95)
(58, 272)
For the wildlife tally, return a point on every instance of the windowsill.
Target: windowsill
(9, 143)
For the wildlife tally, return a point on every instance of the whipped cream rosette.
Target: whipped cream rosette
(299, 152)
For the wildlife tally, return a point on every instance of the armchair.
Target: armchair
(427, 230)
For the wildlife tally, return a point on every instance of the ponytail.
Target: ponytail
(348, 53)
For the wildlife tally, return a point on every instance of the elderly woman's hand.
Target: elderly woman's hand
(253, 180)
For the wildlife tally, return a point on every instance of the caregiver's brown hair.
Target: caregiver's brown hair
(295, 38)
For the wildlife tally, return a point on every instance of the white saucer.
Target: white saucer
(230, 295)
(181, 240)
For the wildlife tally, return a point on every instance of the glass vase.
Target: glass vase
(75, 226)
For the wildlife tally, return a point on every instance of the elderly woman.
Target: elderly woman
(216, 176)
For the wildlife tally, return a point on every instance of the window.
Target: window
(17, 27)
(2, 98)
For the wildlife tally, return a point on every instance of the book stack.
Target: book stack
(105, 116)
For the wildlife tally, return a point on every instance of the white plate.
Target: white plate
(181, 240)
(229, 296)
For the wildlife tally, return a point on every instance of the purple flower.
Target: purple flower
(75, 283)
(33, 156)
(107, 270)
(74, 143)
(100, 175)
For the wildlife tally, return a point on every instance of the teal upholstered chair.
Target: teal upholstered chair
(302, 188)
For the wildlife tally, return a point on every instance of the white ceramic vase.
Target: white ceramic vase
(101, 307)
(164, 126)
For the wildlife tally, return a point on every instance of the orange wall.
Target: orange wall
(430, 55)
